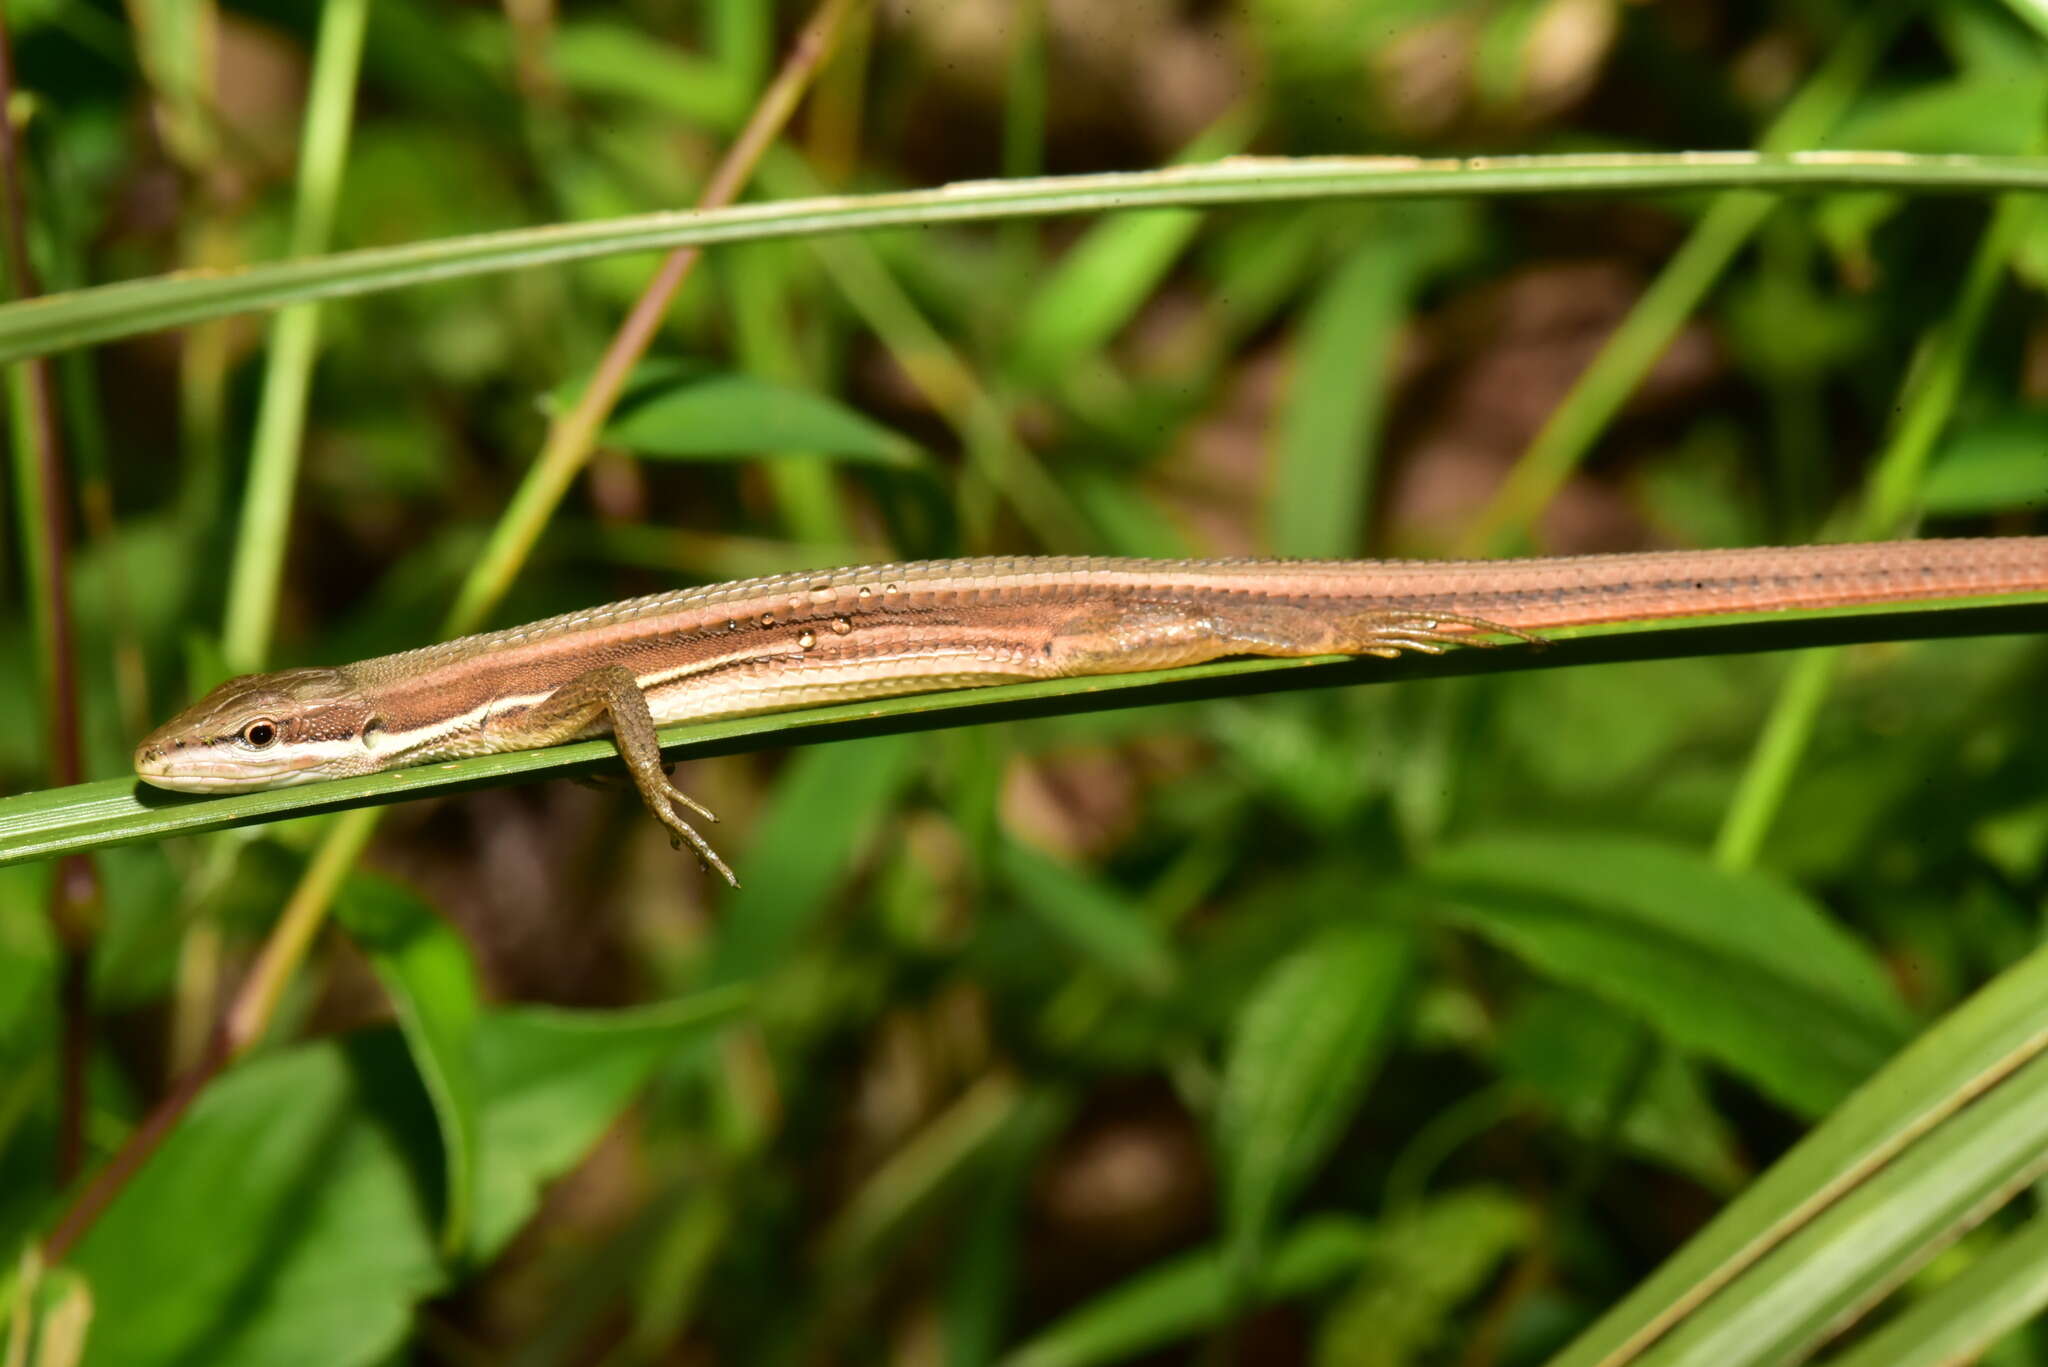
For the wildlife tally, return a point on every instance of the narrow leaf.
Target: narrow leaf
(1090, 916)
(1102, 281)
(1430, 1261)
(829, 804)
(1325, 460)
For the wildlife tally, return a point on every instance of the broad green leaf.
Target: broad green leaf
(1182, 1296)
(1429, 1262)
(1866, 1243)
(1089, 915)
(1734, 966)
(78, 317)
(553, 1081)
(426, 970)
(1303, 1053)
(2004, 1287)
(1971, 1051)
(112, 811)
(289, 1219)
(284, 1221)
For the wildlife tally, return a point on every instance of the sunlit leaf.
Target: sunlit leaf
(310, 1175)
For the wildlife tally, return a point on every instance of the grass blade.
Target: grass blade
(2003, 1289)
(1971, 1051)
(91, 315)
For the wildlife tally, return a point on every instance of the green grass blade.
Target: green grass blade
(826, 810)
(294, 344)
(113, 811)
(1103, 280)
(1598, 394)
(1929, 403)
(120, 310)
(1861, 1247)
(2003, 1289)
(1971, 1051)
(934, 1160)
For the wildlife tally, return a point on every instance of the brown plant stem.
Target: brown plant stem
(74, 891)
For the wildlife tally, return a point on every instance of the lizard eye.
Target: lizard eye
(259, 735)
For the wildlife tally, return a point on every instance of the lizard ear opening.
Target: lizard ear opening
(373, 727)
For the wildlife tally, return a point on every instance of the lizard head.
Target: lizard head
(261, 731)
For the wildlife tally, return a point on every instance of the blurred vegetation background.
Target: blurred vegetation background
(1405, 1024)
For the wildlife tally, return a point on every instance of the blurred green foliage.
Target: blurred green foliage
(1404, 1024)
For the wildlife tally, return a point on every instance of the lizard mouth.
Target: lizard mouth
(190, 769)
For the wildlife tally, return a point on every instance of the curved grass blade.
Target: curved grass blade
(58, 321)
(114, 811)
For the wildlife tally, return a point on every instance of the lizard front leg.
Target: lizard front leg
(613, 692)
